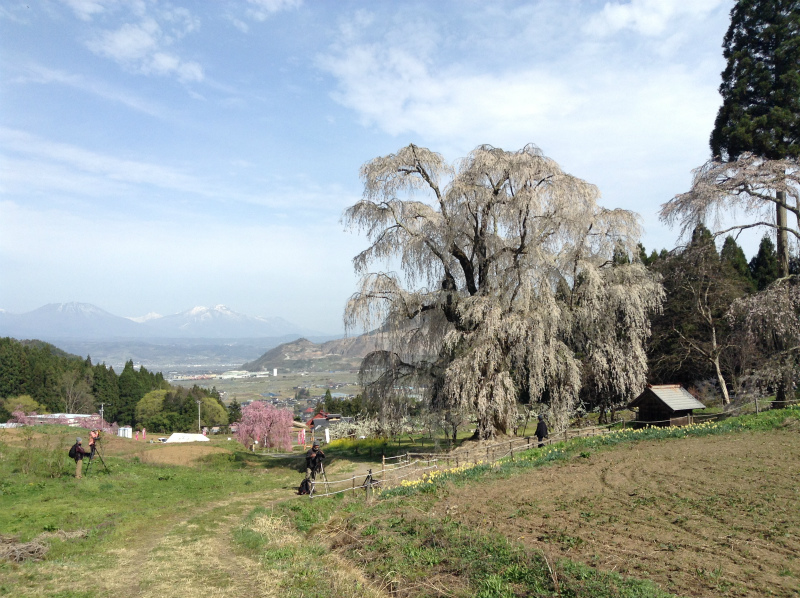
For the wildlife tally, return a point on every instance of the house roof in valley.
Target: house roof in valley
(673, 396)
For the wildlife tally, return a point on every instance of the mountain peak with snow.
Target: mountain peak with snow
(86, 321)
(145, 318)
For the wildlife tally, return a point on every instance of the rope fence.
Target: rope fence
(399, 467)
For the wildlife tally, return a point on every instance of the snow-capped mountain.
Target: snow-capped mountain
(88, 322)
(219, 322)
(66, 320)
(145, 318)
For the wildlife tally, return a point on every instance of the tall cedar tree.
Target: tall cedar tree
(760, 90)
(700, 288)
(764, 267)
(732, 256)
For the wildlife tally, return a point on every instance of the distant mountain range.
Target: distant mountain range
(87, 322)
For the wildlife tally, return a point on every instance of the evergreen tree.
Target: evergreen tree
(760, 90)
(733, 257)
(234, 412)
(105, 388)
(692, 337)
(130, 393)
(764, 266)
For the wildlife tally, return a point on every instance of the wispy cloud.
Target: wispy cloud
(620, 111)
(648, 17)
(261, 10)
(35, 73)
(86, 9)
(143, 47)
(31, 165)
(146, 41)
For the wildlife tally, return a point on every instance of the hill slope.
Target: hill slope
(302, 354)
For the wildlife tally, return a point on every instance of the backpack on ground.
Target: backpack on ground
(73, 451)
(305, 487)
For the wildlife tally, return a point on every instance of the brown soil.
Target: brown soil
(700, 517)
(180, 454)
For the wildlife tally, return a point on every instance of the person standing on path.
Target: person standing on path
(541, 431)
(79, 453)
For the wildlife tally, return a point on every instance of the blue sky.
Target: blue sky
(156, 156)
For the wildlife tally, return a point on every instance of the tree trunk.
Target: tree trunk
(783, 236)
(783, 393)
(721, 380)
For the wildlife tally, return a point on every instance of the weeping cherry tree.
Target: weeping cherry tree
(507, 290)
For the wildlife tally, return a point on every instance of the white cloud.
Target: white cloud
(86, 9)
(630, 115)
(140, 46)
(647, 17)
(261, 10)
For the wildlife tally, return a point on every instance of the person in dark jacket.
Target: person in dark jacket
(314, 458)
(541, 431)
(79, 453)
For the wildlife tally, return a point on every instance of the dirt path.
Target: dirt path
(700, 517)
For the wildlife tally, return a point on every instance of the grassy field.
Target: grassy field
(707, 511)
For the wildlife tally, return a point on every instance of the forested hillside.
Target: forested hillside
(36, 376)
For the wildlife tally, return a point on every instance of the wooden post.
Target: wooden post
(566, 434)
(757, 411)
(383, 469)
(354, 484)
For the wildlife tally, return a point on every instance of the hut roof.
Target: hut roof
(673, 396)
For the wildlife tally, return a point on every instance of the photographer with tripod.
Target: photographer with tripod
(314, 458)
(77, 452)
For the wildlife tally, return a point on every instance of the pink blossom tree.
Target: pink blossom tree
(269, 426)
(19, 417)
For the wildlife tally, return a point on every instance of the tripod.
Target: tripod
(314, 478)
(98, 454)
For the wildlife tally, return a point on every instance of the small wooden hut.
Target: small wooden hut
(665, 405)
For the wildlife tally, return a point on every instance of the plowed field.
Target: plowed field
(711, 516)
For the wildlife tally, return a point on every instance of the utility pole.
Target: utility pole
(102, 417)
(199, 402)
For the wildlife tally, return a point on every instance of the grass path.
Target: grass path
(191, 555)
